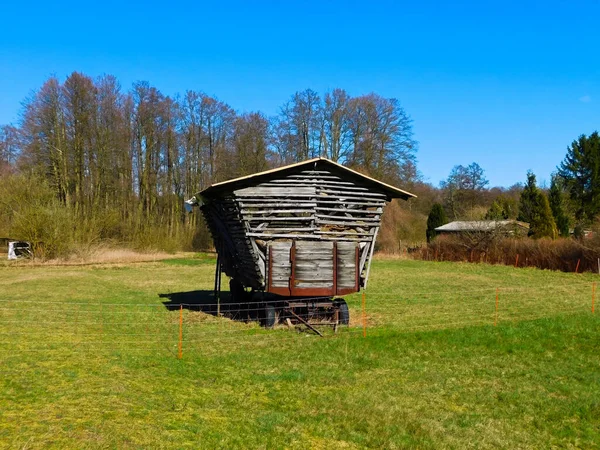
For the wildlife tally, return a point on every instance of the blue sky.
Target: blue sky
(505, 84)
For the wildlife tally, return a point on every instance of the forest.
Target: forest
(89, 164)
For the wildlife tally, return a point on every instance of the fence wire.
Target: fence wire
(207, 328)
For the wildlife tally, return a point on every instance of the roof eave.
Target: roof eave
(249, 180)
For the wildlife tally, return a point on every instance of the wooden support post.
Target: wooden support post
(371, 257)
(593, 296)
(180, 345)
(336, 319)
(364, 313)
(335, 270)
(496, 317)
(517, 261)
(218, 284)
(577, 267)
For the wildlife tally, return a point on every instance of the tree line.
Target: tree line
(91, 162)
(570, 206)
(133, 157)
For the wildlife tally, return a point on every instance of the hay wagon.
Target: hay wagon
(294, 239)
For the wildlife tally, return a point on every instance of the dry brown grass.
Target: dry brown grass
(391, 256)
(101, 255)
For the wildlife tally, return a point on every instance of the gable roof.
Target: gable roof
(260, 177)
(481, 225)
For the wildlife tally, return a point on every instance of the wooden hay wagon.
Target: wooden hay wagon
(293, 239)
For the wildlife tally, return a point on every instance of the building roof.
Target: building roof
(316, 163)
(481, 225)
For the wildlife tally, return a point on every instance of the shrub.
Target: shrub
(545, 253)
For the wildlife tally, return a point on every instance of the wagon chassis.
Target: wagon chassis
(272, 309)
(294, 239)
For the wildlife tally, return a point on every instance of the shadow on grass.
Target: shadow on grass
(206, 302)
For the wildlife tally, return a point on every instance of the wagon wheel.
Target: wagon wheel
(343, 311)
(269, 316)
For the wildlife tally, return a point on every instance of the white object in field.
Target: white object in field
(11, 250)
(19, 249)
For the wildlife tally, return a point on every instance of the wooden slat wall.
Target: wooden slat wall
(280, 265)
(239, 259)
(314, 264)
(307, 206)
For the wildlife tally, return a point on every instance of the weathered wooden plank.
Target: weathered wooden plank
(277, 211)
(264, 212)
(365, 220)
(257, 191)
(338, 223)
(342, 233)
(362, 194)
(282, 229)
(325, 176)
(320, 236)
(350, 210)
(316, 184)
(310, 284)
(314, 245)
(340, 196)
(315, 265)
(332, 201)
(281, 219)
(259, 203)
(307, 179)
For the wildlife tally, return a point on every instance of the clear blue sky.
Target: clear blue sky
(505, 84)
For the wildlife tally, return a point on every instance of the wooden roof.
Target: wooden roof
(480, 225)
(313, 164)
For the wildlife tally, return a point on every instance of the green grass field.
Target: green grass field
(89, 360)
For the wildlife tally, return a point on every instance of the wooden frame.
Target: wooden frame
(316, 203)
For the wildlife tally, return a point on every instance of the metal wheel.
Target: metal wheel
(343, 311)
(269, 318)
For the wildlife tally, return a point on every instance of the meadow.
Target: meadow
(89, 359)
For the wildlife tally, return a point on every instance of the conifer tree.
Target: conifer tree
(436, 218)
(535, 210)
(555, 198)
(580, 172)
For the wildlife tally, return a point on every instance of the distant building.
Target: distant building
(506, 227)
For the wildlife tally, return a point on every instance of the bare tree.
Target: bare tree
(336, 124)
(250, 143)
(9, 147)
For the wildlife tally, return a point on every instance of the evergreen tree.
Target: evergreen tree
(496, 212)
(580, 171)
(555, 198)
(436, 218)
(535, 210)
(503, 208)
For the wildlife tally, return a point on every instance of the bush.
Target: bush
(545, 253)
(30, 211)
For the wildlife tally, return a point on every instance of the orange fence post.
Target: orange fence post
(364, 314)
(496, 318)
(593, 296)
(517, 261)
(180, 345)
(577, 267)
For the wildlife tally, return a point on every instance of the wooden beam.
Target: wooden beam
(304, 321)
